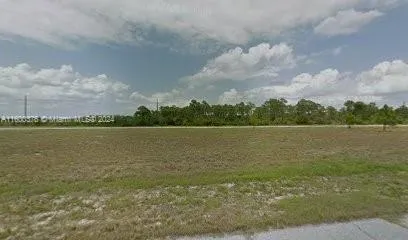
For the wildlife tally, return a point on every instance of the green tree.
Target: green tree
(274, 110)
(332, 115)
(143, 116)
(350, 119)
(402, 114)
(309, 112)
(386, 116)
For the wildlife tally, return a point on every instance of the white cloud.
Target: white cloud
(137, 96)
(64, 86)
(338, 100)
(383, 83)
(64, 91)
(328, 87)
(125, 21)
(260, 61)
(346, 22)
(303, 85)
(173, 97)
(161, 96)
(385, 78)
(232, 97)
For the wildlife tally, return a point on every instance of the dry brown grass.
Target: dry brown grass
(94, 154)
(152, 183)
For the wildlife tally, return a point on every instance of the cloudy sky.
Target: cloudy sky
(102, 56)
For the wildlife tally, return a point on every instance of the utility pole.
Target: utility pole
(25, 106)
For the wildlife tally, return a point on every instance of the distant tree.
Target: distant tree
(124, 121)
(370, 112)
(349, 106)
(309, 112)
(386, 116)
(350, 119)
(143, 116)
(332, 115)
(349, 113)
(402, 114)
(274, 110)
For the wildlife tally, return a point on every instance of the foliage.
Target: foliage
(272, 112)
(386, 116)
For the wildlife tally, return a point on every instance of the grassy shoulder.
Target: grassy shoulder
(245, 200)
(338, 167)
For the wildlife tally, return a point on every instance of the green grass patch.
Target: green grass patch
(291, 171)
(338, 208)
(320, 168)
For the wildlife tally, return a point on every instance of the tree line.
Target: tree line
(271, 112)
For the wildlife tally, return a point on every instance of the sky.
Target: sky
(77, 57)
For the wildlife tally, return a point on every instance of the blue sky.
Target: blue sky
(99, 56)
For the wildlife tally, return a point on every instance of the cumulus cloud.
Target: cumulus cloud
(384, 82)
(346, 22)
(125, 21)
(161, 96)
(304, 85)
(173, 97)
(64, 91)
(262, 60)
(385, 78)
(232, 96)
(46, 87)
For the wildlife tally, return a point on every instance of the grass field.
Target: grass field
(158, 183)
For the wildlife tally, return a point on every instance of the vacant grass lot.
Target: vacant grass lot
(158, 183)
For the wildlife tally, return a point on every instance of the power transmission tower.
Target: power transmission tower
(25, 106)
(157, 105)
